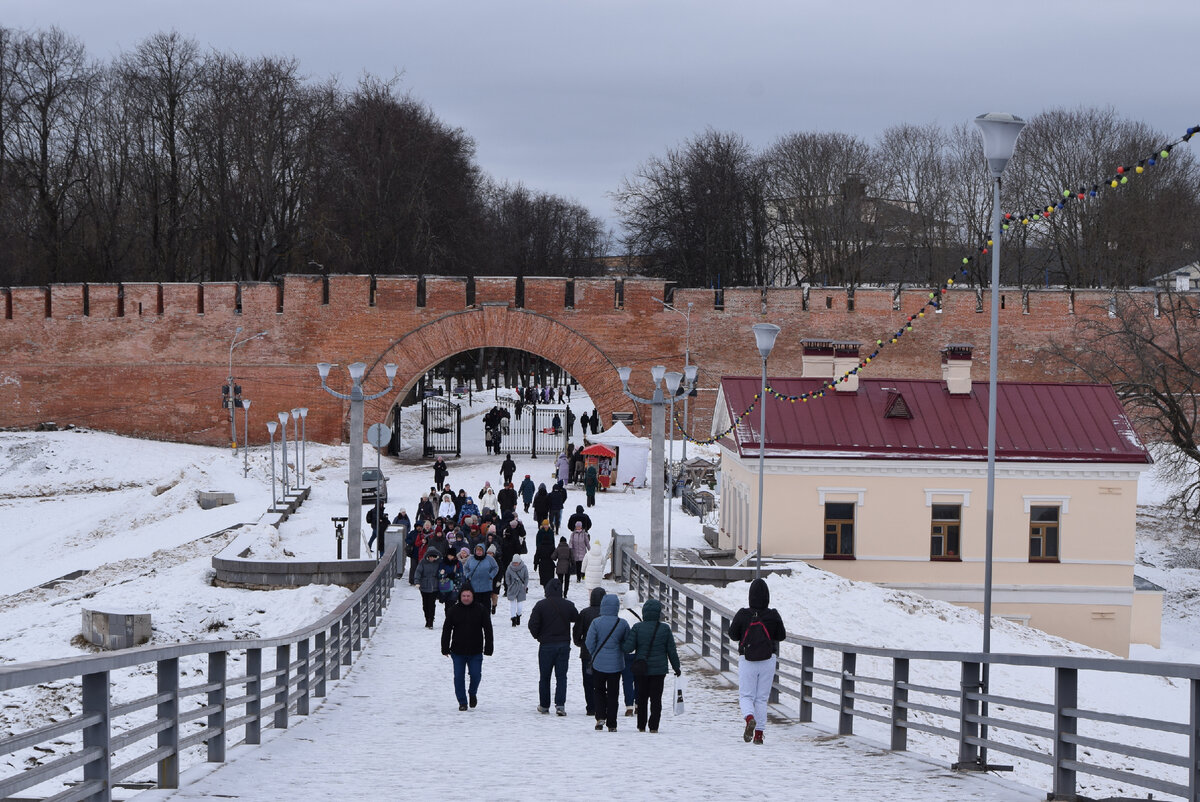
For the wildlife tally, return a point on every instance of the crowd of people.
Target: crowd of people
(467, 552)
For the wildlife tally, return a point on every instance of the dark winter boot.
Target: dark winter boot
(749, 732)
(758, 737)
(516, 620)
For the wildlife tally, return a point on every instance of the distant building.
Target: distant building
(884, 480)
(1181, 280)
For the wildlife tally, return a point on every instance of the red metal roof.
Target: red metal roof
(1034, 421)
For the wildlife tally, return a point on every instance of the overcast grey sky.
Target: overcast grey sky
(570, 96)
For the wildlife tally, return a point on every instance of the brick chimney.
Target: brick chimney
(845, 359)
(956, 368)
(817, 360)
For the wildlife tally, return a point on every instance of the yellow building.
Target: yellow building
(885, 480)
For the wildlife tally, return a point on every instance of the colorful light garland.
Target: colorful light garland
(1121, 178)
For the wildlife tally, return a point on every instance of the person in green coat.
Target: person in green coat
(591, 480)
(652, 641)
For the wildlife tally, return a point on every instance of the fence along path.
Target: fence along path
(393, 730)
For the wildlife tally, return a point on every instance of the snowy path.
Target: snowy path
(392, 729)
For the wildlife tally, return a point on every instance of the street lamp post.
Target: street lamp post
(234, 342)
(296, 445)
(283, 419)
(357, 399)
(687, 353)
(246, 437)
(764, 338)
(657, 402)
(271, 427)
(303, 443)
(1000, 133)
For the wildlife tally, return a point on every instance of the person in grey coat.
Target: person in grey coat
(427, 580)
(516, 583)
(562, 564)
(605, 642)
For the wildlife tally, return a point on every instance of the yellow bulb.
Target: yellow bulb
(1140, 168)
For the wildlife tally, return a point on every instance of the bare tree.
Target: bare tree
(1145, 345)
(700, 212)
(822, 226)
(535, 233)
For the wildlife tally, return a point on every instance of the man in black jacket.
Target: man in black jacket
(550, 625)
(466, 638)
(558, 498)
(508, 468)
(758, 629)
(586, 616)
(506, 500)
(579, 517)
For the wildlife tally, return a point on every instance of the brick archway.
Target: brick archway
(418, 351)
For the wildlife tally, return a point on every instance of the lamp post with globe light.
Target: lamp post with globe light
(764, 340)
(271, 427)
(357, 399)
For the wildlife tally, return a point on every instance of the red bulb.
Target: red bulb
(1081, 196)
(984, 251)
(1120, 170)
(1008, 215)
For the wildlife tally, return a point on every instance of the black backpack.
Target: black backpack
(756, 643)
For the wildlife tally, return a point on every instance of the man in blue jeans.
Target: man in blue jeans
(466, 638)
(550, 624)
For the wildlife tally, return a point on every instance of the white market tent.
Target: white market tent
(633, 453)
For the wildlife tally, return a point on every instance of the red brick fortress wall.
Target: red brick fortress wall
(149, 359)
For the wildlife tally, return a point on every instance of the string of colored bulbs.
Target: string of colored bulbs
(1119, 178)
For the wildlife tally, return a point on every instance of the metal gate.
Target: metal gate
(533, 432)
(441, 426)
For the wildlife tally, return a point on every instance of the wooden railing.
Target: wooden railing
(107, 738)
(1036, 714)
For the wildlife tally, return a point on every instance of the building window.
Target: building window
(1043, 534)
(944, 527)
(839, 531)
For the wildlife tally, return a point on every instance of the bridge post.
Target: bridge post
(96, 701)
(217, 668)
(674, 608)
(706, 631)
(254, 696)
(283, 658)
(356, 630)
(322, 666)
(846, 698)
(1066, 697)
(688, 612)
(347, 636)
(168, 683)
(899, 704)
(302, 677)
(968, 708)
(724, 641)
(1194, 743)
(807, 656)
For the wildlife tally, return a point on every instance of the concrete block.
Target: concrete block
(209, 499)
(112, 629)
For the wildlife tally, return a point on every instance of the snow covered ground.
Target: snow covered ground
(125, 510)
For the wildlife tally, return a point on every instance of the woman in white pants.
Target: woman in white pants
(758, 629)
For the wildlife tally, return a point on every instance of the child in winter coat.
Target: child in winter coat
(563, 563)
(449, 579)
(593, 566)
(516, 584)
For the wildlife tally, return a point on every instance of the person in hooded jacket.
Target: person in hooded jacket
(557, 500)
(586, 616)
(579, 516)
(479, 571)
(651, 640)
(516, 586)
(466, 639)
(580, 543)
(437, 541)
(758, 629)
(507, 469)
(563, 563)
(593, 566)
(468, 510)
(487, 497)
(603, 642)
(543, 554)
(527, 490)
(507, 501)
(447, 509)
(427, 583)
(449, 579)
(541, 503)
(550, 624)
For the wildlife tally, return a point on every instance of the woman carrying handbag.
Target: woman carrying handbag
(653, 645)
